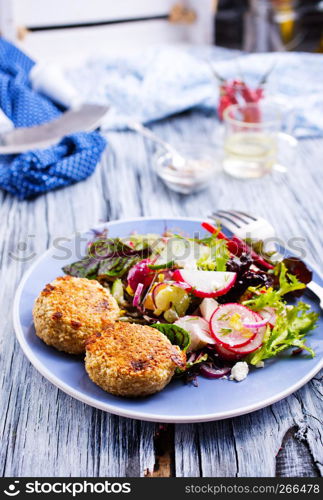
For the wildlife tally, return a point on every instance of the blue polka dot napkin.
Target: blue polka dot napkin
(34, 172)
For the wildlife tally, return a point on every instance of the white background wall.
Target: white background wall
(16, 16)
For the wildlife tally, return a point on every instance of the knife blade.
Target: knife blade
(84, 119)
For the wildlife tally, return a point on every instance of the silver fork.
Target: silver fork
(245, 225)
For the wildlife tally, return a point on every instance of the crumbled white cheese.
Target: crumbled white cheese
(260, 364)
(239, 371)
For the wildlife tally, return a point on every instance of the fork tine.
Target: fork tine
(233, 216)
(237, 214)
(226, 220)
(245, 215)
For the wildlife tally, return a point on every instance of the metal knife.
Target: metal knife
(84, 119)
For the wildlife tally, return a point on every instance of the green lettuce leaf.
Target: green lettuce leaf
(289, 331)
(264, 297)
(108, 258)
(176, 334)
(200, 359)
(287, 281)
(292, 321)
(217, 257)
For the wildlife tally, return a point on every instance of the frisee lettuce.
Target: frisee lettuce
(287, 281)
(268, 297)
(292, 321)
(289, 331)
(218, 256)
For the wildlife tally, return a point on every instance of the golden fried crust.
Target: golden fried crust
(131, 360)
(69, 310)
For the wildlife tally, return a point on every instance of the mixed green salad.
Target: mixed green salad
(222, 300)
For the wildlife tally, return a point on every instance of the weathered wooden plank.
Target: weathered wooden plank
(45, 432)
(248, 445)
(294, 459)
(187, 451)
(49, 433)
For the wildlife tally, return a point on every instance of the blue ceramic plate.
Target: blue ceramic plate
(211, 400)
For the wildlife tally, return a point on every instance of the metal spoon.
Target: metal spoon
(176, 159)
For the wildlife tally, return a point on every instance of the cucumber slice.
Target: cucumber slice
(118, 292)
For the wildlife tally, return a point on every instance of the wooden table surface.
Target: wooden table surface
(47, 433)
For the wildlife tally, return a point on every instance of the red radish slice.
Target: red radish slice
(258, 321)
(269, 314)
(199, 331)
(266, 315)
(207, 308)
(252, 346)
(239, 353)
(206, 283)
(228, 325)
(138, 292)
(226, 354)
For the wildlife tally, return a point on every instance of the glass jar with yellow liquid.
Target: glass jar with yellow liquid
(253, 140)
